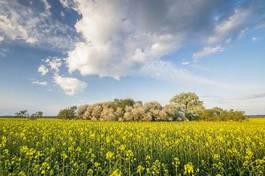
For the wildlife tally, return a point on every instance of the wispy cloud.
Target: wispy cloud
(40, 83)
(1, 38)
(234, 25)
(254, 96)
(3, 52)
(170, 72)
(248, 103)
(47, 5)
(254, 39)
(206, 51)
(185, 63)
(231, 26)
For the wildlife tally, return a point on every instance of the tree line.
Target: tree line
(182, 107)
(25, 114)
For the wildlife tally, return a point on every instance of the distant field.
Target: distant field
(78, 147)
(14, 117)
(255, 116)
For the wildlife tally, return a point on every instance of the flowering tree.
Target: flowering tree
(190, 103)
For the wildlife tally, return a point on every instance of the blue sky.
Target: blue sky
(57, 53)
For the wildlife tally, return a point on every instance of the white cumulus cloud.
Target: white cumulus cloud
(122, 36)
(70, 85)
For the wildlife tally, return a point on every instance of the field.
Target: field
(61, 147)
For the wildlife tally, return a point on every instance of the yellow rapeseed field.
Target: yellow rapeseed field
(61, 147)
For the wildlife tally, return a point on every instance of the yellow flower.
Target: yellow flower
(109, 155)
(116, 172)
(188, 169)
(129, 154)
(22, 173)
(176, 162)
(140, 169)
(216, 157)
(148, 157)
(78, 149)
(89, 172)
(122, 147)
(96, 164)
(64, 155)
(3, 143)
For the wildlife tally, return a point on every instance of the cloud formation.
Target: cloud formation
(40, 83)
(1, 39)
(170, 72)
(54, 63)
(231, 26)
(121, 37)
(70, 85)
(206, 51)
(33, 26)
(3, 52)
(47, 6)
(43, 70)
(118, 39)
(255, 96)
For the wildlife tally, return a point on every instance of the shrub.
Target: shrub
(22, 114)
(36, 115)
(68, 113)
(216, 114)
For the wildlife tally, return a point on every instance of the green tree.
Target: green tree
(219, 114)
(36, 115)
(122, 103)
(81, 111)
(22, 114)
(68, 113)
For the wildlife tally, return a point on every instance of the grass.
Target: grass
(78, 147)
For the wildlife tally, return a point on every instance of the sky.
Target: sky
(58, 53)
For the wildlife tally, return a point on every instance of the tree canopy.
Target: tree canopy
(189, 101)
(183, 106)
(68, 113)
